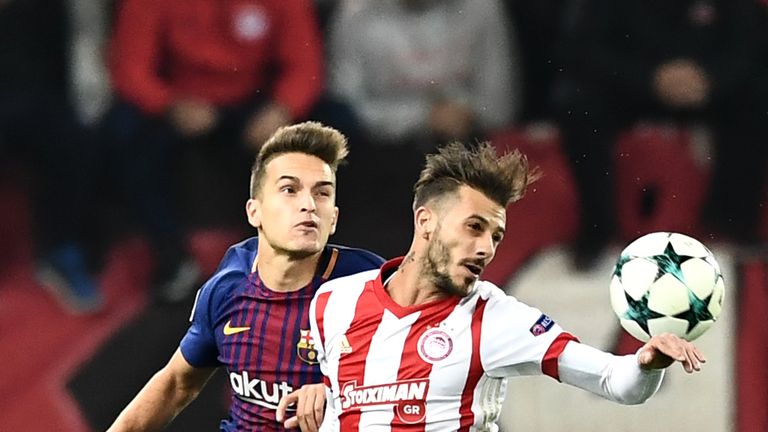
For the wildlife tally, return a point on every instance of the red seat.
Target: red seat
(547, 215)
(660, 185)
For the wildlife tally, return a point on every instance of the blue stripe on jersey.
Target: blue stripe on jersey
(262, 333)
(234, 347)
(311, 373)
(287, 337)
(242, 352)
(292, 328)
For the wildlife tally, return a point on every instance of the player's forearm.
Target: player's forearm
(617, 378)
(161, 399)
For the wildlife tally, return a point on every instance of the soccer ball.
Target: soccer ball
(667, 283)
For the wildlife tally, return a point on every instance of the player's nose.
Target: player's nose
(307, 201)
(485, 247)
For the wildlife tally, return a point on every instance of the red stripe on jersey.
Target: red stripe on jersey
(320, 304)
(549, 362)
(412, 366)
(367, 318)
(475, 369)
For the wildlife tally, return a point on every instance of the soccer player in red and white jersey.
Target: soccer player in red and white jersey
(251, 317)
(423, 344)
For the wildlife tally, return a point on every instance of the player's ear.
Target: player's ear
(424, 222)
(335, 220)
(253, 211)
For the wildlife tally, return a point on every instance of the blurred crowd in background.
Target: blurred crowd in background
(143, 116)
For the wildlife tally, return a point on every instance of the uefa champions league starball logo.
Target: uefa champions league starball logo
(434, 345)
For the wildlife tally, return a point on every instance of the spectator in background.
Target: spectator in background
(538, 25)
(202, 84)
(417, 73)
(39, 125)
(681, 60)
(424, 69)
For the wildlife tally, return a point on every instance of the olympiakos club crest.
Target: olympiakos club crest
(434, 345)
(305, 348)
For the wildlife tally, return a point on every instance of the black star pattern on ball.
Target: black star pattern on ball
(698, 311)
(670, 262)
(639, 311)
(623, 259)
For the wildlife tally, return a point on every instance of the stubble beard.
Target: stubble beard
(436, 265)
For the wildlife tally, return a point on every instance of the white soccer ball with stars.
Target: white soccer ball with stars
(667, 283)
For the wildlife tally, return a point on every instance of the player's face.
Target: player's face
(464, 241)
(295, 211)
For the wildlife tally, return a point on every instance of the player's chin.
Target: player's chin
(464, 285)
(468, 285)
(466, 279)
(306, 247)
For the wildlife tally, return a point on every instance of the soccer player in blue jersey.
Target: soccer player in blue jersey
(251, 317)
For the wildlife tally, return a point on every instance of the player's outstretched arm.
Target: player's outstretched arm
(310, 408)
(630, 379)
(664, 349)
(163, 397)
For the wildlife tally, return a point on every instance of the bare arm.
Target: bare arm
(163, 397)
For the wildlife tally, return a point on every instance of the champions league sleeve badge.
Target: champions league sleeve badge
(542, 325)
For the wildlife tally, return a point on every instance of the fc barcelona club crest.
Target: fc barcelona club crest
(305, 348)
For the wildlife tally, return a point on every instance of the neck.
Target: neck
(282, 273)
(408, 286)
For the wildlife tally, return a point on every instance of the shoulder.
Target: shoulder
(517, 317)
(353, 260)
(239, 257)
(488, 291)
(497, 300)
(356, 280)
(219, 287)
(235, 266)
(231, 274)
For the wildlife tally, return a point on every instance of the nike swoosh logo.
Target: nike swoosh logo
(228, 330)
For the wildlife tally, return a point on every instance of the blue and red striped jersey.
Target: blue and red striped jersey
(261, 336)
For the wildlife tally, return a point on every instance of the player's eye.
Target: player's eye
(288, 189)
(475, 226)
(497, 237)
(324, 193)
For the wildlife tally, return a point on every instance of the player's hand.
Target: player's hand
(193, 118)
(682, 83)
(664, 349)
(451, 120)
(263, 124)
(310, 403)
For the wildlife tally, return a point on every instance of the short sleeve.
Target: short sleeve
(517, 339)
(199, 343)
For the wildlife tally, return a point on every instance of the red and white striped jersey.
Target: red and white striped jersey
(436, 366)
